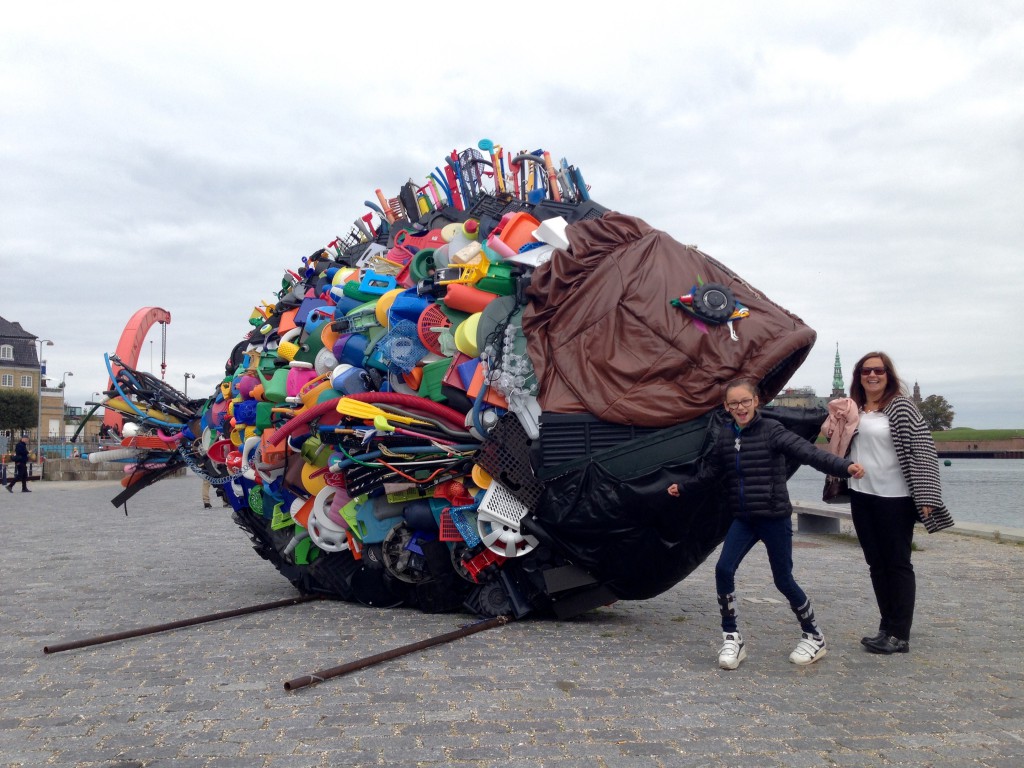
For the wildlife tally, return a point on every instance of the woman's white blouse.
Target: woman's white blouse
(873, 450)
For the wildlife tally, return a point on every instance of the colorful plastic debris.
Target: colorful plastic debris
(473, 400)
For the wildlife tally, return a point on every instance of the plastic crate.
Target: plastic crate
(567, 437)
(448, 530)
(499, 505)
(496, 206)
(568, 442)
(505, 456)
(571, 212)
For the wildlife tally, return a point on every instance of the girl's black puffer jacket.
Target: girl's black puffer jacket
(752, 462)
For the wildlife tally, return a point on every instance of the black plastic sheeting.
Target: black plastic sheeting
(662, 540)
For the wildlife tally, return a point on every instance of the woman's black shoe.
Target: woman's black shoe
(876, 639)
(888, 644)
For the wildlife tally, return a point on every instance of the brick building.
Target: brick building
(21, 369)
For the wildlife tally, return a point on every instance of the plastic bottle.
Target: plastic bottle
(466, 233)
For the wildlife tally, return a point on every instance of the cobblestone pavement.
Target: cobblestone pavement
(632, 684)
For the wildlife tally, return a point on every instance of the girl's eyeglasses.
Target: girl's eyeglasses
(875, 371)
(732, 405)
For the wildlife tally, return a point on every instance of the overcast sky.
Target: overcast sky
(859, 163)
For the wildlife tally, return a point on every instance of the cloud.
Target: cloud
(859, 165)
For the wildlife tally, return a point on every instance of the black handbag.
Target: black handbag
(836, 490)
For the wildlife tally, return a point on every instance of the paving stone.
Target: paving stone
(632, 684)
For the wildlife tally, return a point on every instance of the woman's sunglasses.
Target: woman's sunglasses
(875, 371)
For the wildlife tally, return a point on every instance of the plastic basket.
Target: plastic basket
(505, 456)
(448, 531)
(500, 505)
(401, 347)
(433, 317)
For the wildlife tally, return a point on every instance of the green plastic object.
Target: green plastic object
(267, 362)
(256, 500)
(264, 416)
(433, 375)
(455, 315)
(422, 264)
(349, 513)
(281, 519)
(316, 452)
(351, 290)
(304, 552)
(311, 341)
(498, 280)
(275, 388)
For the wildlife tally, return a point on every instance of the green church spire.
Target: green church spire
(838, 389)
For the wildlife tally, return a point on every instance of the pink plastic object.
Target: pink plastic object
(297, 379)
(245, 385)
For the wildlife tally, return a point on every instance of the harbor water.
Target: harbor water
(975, 490)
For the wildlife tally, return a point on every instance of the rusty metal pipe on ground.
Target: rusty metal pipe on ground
(394, 653)
(178, 624)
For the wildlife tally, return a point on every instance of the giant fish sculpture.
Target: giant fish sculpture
(475, 399)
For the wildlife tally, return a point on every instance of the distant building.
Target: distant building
(805, 397)
(797, 397)
(21, 369)
(917, 394)
(838, 389)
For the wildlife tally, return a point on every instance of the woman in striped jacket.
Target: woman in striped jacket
(900, 486)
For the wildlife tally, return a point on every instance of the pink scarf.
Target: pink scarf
(841, 424)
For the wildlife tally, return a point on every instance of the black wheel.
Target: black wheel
(713, 302)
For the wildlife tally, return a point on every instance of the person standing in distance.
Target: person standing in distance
(750, 455)
(902, 486)
(20, 467)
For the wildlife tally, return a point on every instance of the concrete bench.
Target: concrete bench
(818, 517)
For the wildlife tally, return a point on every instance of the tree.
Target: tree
(18, 410)
(938, 413)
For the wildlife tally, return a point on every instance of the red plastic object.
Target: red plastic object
(448, 530)
(218, 451)
(481, 561)
(491, 396)
(128, 347)
(467, 298)
(454, 491)
(431, 239)
(432, 317)
(234, 462)
(354, 546)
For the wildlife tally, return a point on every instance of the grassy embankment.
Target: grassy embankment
(966, 433)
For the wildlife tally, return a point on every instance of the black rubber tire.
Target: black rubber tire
(713, 302)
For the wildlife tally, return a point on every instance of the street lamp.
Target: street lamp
(39, 425)
(187, 377)
(63, 406)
